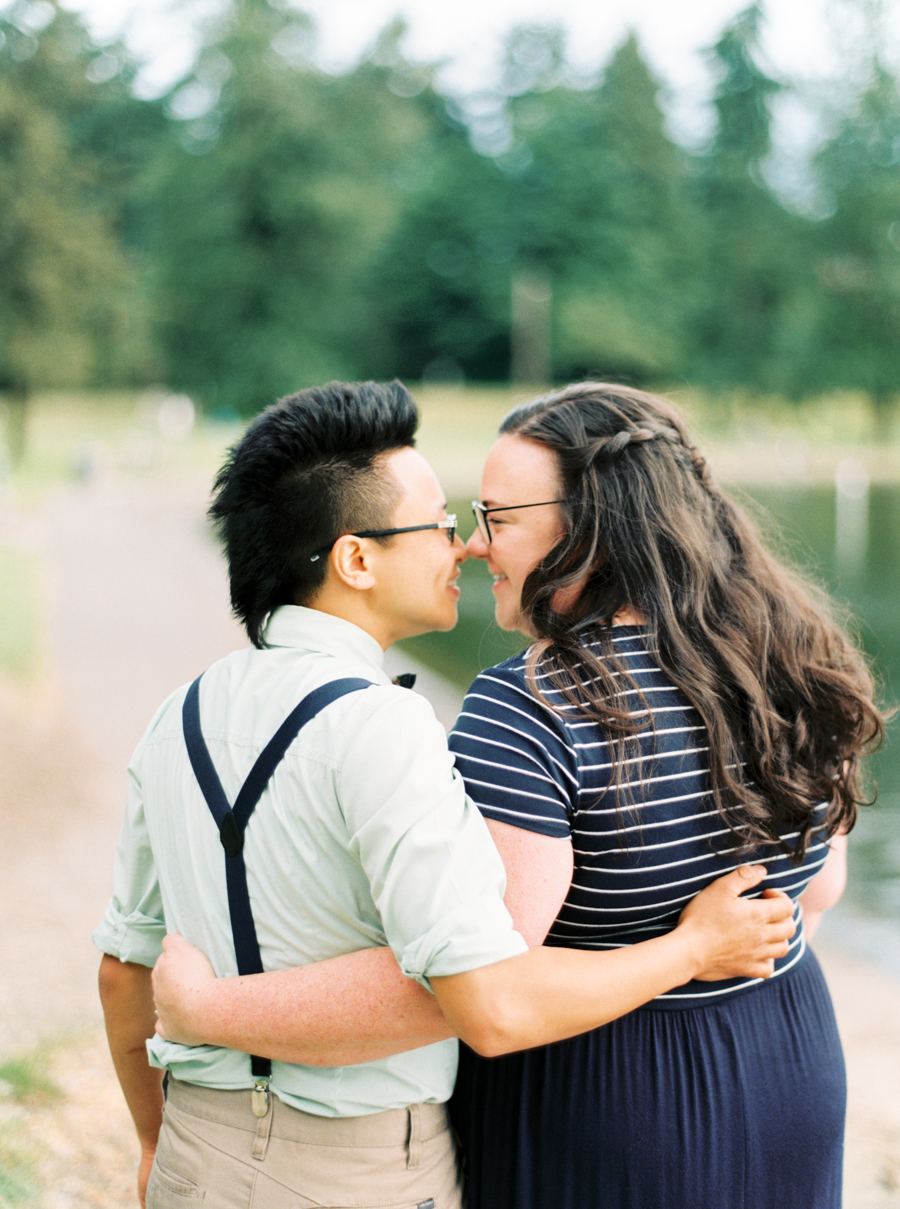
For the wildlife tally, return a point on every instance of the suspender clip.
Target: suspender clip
(259, 1097)
(229, 834)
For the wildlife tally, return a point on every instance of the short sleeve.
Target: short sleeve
(134, 924)
(436, 877)
(514, 755)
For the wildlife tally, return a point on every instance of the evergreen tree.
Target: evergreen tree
(755, 248)
(625, 297)
(64, 282)
(271, 205)
(856, 342)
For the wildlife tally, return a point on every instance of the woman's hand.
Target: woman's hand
(739, 937)
(179, 978)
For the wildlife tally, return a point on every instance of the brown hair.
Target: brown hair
(786, 698)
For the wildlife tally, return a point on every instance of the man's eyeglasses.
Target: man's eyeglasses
(481, 514)
(449, 527)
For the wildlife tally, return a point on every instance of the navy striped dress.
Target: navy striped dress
(714, 1096)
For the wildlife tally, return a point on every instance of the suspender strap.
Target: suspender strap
(232, 822)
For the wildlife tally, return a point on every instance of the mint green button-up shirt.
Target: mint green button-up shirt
(363, 837)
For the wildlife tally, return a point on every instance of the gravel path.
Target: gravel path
(139, 606)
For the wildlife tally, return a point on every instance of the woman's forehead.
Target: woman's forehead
(517, 466)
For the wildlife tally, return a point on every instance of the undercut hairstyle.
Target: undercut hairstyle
(786, 697)
(306, 471)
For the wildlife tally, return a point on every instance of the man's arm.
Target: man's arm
(538, 997)
(548, 994)
(127, 998)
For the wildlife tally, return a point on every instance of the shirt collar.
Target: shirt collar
(313, 630)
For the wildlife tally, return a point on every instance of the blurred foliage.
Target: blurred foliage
(855, 339)
(21, 620)
(267, 224)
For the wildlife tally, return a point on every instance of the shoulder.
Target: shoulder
(503, 699)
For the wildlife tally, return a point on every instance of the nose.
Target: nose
(460, 550)
(476, 545)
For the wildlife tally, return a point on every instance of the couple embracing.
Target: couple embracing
(565, 889)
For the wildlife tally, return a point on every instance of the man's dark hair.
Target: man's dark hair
(307, 470)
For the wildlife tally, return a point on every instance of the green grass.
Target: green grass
(18, 1168)
(27, 1077)
(21, 613)
(26, 1080)
(75, 436)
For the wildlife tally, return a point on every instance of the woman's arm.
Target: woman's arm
(360, 1006)
(338, 1012)
(538, 875)
(826, 887)
(348, 1009)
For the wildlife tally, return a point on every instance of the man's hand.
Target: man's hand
(179, 977)
(739, 937)
(147, 1156)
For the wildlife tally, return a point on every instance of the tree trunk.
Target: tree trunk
(531, 298)
(13, 432)
(885, 405)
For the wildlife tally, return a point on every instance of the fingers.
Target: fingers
(739, 880)
(778, 910)
(748, 876)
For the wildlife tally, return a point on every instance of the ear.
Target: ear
(351, 562)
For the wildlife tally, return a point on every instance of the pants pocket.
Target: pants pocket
(165, 1188)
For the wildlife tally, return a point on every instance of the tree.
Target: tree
(755, 249)
(276, 192)
(63, 279)
(856, 339)
(624, 299)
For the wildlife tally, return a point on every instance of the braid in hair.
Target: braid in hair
(786, 698)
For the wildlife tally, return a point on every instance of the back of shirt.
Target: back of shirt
(362, 838)
(640, 855)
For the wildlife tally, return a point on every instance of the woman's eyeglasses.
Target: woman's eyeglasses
(481, 514)
(449, 527)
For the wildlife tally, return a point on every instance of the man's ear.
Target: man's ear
(351, 561)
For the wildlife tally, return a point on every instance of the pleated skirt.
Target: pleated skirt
(735, 1105)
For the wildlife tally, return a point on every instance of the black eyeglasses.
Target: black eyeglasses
(481, 514)
(449, 527)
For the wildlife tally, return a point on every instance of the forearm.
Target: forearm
(548, 994)
(127, 999)
(340, 1012)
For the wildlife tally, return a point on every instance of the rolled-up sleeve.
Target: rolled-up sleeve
(436, 877)
(133, 926)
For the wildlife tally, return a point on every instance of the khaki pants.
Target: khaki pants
(212, 1149)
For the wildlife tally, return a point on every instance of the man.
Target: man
(363, 845)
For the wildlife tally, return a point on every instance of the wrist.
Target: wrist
(689, 949)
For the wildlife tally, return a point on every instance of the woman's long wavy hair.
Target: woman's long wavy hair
(785, 696)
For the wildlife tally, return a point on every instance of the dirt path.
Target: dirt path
(139, 605)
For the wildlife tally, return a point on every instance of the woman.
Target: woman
(685, 703)
(684, 707)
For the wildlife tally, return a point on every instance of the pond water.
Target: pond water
(850, 544)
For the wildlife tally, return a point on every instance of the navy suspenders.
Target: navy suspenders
(232, 822)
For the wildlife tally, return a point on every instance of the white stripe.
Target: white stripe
(538, 797)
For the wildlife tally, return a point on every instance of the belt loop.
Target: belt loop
(263, 1129)
(414, 1145)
